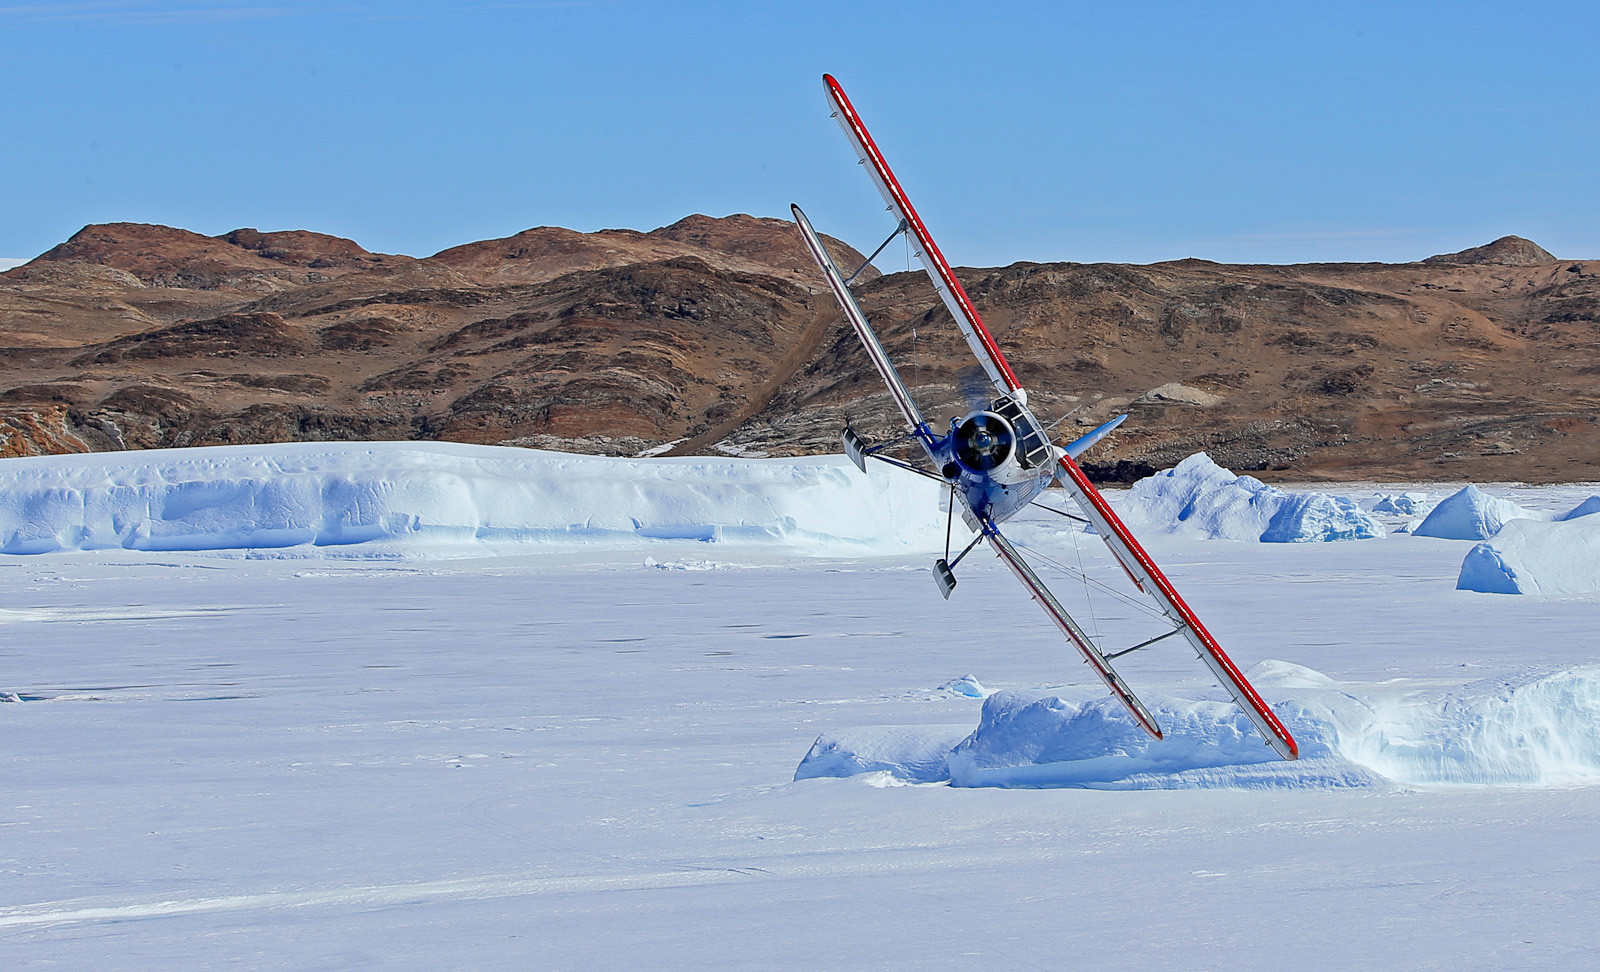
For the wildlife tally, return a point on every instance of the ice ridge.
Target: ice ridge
(1537, 729)
(425, 498)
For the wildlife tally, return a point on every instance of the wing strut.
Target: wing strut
(881, 247)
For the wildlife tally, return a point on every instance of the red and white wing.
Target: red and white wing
(944, 280)
(1149, 578)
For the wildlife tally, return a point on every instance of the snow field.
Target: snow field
(578, 750)
(582, 759)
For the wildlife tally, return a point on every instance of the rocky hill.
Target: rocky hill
(716, 335)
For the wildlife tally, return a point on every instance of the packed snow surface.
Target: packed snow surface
(1198, 498)
(578, 748)
(413, 497)
(1534, 557)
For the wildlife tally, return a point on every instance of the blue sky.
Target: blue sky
(1134, 132)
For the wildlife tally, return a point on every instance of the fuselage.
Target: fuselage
(997, 459)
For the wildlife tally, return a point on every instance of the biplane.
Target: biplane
(997, 459)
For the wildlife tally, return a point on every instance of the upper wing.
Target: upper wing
(858, 320)
(1149, 578)
(944, 281)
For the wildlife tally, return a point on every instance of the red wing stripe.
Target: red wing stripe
(938, 265)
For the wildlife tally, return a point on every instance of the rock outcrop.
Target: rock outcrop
(1507, 251)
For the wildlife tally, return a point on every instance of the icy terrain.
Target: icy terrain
(578, 748)
(1532, 729)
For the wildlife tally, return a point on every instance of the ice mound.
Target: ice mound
(1198, 498)
(1472, 514)
(1587, 507)
(1532, 557)
(1535, 730)
(1029, 739)
(913, 754)
(421, 498)
(1403, 504)
(966, 685)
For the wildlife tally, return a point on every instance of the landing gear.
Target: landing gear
(944, 567)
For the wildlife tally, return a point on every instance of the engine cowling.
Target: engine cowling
(984, 441)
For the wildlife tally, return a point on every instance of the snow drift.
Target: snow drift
(1198, 498)
(1532, 557)
(1537, 729)
(364, 498)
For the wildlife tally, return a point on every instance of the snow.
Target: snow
(1198, 498)
(411, 499)
(1472, 514)
(582, 752)
(1534, 557)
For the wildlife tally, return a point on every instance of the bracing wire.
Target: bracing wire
(1136, 604)
(1088, 597)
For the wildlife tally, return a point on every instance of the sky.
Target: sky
(1245, 132)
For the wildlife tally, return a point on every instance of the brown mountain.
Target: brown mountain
(713, 335)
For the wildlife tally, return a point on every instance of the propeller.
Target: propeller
(974, 387)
